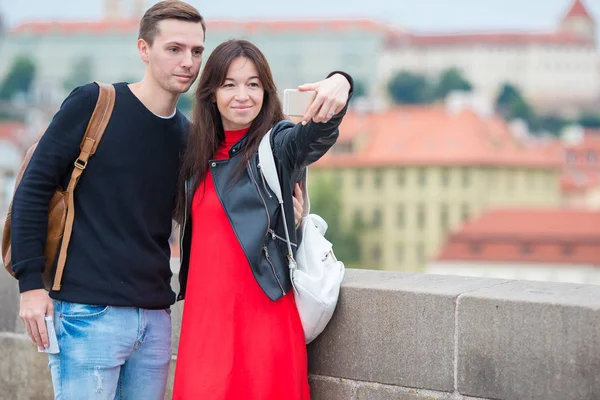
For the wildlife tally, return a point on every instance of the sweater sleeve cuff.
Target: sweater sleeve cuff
(31, 282)
(29, 274)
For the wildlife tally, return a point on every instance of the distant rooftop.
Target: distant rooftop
(527, 235)
(132, 25)
(432, 135)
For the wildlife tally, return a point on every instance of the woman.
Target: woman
(241, 336)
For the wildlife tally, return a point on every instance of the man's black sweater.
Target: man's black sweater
(119, 251)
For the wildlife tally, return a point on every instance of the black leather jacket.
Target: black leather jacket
(258, 224)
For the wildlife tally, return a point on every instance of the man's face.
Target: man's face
(175, 57)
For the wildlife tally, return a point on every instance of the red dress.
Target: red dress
(236, 343)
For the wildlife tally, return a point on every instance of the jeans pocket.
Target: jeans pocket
(82, 311)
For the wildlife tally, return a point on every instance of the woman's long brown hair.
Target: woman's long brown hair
(206, 132)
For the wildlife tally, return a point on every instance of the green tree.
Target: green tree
(360, 90)
(550, 123)
(325, 201)
(19, 78)
(511, 104)
(80, 74)
(589, 120)
(450, 80)
(409, 88)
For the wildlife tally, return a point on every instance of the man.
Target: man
(112, 314)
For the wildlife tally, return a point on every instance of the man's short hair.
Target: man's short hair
(169, 9)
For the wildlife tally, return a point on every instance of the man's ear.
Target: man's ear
(143, 48)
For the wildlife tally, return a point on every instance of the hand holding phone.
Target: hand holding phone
(296, 103)
(52, 340)
(331, 97)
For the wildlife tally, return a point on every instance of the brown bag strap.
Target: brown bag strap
(91, 138)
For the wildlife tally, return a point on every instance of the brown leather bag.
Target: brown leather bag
(61, 210)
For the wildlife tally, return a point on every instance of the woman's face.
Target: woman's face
(240, 98)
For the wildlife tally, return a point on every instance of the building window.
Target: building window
(444, 220)
(526, 249)
(400, 253)
(510, 179)
(571, 157)
(567, 250)
(475, 247)
(421, 259)
(466, 177)
(359, 178)
(465, 213)
(421, 216)
(376, 218)
(422, 176)
(550, 180)
(445, 177)
(400, 219)
(378, 178)
(358, 218)
(401, 177)
(592, 158)
(530, 177)
(492, 178)
(376, 255)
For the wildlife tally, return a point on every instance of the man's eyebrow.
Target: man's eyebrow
(174, 43)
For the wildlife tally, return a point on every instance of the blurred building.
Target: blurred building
(530, 244)
(557, 70)
(413, 174)
(580, 178)
(72, 52)
(554, 69)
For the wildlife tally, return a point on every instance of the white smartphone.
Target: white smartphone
(295, 102)
(53, 342)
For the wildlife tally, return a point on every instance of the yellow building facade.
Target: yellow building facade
(409, 207)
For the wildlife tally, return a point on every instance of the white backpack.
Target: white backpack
(315, 273)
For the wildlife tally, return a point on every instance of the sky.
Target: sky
(419, 15)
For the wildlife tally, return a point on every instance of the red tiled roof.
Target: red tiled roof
(429, 135)
(77, 27)
(487, 38)
(578, 9)
(534, 224)
(547, 235)
(132, 25)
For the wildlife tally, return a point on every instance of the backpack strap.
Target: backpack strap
(89, 144)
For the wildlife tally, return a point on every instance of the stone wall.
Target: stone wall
(411, 336)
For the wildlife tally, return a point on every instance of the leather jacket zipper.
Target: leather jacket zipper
(276, 236)
(268, 225)
(273, 268)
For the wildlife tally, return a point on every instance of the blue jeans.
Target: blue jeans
(109, 353)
